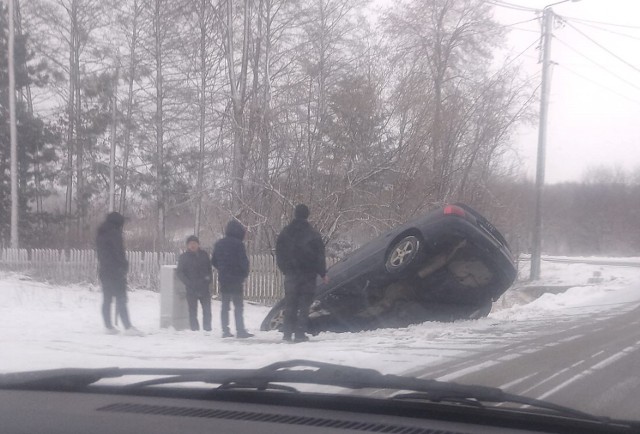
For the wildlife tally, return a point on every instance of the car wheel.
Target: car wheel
(274, 319)
(402, 254)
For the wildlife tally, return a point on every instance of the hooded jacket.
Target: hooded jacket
(300, 249)
(112, 260)
(230, 258)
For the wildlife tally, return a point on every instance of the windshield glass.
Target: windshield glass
(440, 189)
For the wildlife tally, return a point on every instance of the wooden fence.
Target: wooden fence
(264, 284)
(81, 266)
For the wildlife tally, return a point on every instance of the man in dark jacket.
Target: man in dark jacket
(300, 256)
(112, 271)
(230, 259)
(194, 270)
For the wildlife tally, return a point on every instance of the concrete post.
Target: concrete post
(173, 302)
(536, 251)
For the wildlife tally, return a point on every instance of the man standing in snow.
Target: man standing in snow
(112, 271)
(194, 270)
(230, 259)
(301, 258)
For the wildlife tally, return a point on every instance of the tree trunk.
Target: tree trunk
(114, 125)
(13, 130)
(71, 123)
(265, 125)
(238, 86)
(80, 190)
(128, 121)
(160, 229)
(436, 126)
(27, 100)
(203, 101)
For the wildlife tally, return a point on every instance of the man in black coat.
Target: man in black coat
(194, 270)
(112, 271)
(230, 259)
(301, 258)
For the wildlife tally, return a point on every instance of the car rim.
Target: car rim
(403, 253)
(277, 321)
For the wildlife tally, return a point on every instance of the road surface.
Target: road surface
(590, 362)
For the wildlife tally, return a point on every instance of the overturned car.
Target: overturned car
(449, 264)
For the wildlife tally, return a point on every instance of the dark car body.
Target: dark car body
(448, 264)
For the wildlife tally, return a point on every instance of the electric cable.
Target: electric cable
(599, 84)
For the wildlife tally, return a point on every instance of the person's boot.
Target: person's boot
(132, 331)
(301, 337)
(227, 334)
(111, 331)
(287, 337)
(244, 334)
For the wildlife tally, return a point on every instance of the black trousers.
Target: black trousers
(205, 301)
(236, 297)
(115, 288)
(299, 290)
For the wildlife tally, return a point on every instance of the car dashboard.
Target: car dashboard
(159, 412)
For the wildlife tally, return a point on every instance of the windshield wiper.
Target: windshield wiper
(65, 379)
(277, 375)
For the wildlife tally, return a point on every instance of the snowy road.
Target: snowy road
(579, 347)
(587, 361)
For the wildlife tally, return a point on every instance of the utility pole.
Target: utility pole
(112, 158)
(547, 26)
(12, 127)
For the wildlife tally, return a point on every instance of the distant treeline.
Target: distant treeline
(596, 217)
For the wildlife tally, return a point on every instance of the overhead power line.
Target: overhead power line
(613, 32)
(534, 43)
(632, 66)
(508, 5)
(521, 22)
(630, 83)
(599, 84)
(525, 30)
(580, 20)
(510, 27)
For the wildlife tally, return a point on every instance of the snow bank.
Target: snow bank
(618, 288)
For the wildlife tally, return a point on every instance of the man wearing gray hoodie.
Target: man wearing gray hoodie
(230, 259)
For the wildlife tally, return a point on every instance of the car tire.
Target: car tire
(402, 254)
(274, 319)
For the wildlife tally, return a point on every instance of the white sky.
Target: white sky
(594, 120)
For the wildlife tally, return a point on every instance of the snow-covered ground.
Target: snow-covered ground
(618, 287)
(44, 326)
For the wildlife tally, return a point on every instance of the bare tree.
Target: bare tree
(441, 48)
(131, 19)
(161, 29)
(238, 93)
(68, 26)
(207, 70)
